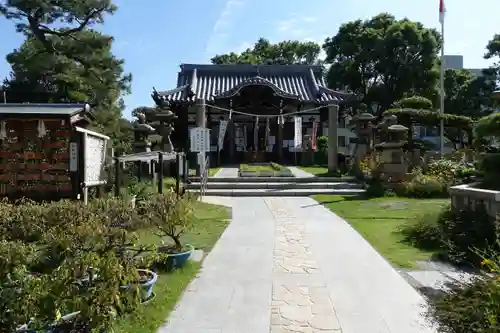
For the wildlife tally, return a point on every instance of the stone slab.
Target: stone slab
(299, 173)
(287, 264)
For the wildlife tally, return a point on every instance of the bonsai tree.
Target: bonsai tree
(172, 216)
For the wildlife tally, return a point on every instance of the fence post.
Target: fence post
(117, 174)
(160, 172)
(177, 174)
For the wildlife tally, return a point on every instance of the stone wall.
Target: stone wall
(464, 196)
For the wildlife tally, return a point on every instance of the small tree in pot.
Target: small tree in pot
(172, 216)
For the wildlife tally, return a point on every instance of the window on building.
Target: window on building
(342, 141)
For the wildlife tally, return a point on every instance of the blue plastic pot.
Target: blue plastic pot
(174, 260)
(147, 287)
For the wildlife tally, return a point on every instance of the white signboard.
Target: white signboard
(222, 133)
(298, 132)
(199, 139)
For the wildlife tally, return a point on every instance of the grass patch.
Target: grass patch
(319, 171)
(380, 221)
(257, 168)
(168, 291)
(211, 171)
(264, 170)
(210, 222)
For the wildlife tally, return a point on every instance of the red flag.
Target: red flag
(442, 11)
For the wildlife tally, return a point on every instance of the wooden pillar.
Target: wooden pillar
(279, 139)
(333, 138)
(231, 128)
(201, 121)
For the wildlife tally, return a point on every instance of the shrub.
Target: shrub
(45, 252)
(423, 186)
(172, 216)
(467, 231)
(424, 231)
(473, 307)
(451, 172)
(374, 188)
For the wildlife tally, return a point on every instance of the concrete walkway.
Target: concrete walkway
(290, 265)
(299, 173)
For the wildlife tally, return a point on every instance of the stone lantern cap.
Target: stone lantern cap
(397, 128)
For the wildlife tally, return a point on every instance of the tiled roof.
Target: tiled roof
(210, 82)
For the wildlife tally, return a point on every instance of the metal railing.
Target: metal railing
(204, 176)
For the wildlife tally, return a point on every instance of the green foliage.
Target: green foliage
(383, 59)
(488, 126)
(429, 118)
(467, 94)
(375, 188)
(466, 231)
(62, 61)
(473, 307)
(414, 102)
(263, 52)
(48, 251)
(450, 172)
(423, 186)
(460, 236)
(424, 231)
(489, 166)
(171, 215)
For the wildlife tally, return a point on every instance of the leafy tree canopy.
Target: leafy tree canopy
(43, 19)
(467, 94)
(264, 52)
(383, 60)
(63, 60)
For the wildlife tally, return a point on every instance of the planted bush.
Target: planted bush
(457, 235)
(47, 251)
(451, 172)
(423, 186)
(467, 231)
(472, 307)
(424, 231)
(172, 216)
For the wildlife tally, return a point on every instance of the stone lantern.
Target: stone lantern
(142, 131)
(392, 158)
(363, 127)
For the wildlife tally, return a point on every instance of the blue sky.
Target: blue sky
(155, 36)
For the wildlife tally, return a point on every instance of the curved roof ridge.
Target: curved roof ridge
(256, 80)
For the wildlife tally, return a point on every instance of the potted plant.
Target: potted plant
(172, 216)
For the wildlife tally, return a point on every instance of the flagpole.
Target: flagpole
(441, 85)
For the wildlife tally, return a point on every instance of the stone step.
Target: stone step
(277, 185)
(276, 179)
(279, 193)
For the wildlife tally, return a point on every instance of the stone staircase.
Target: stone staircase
(277, 186)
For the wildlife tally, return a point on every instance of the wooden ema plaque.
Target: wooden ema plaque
(35, 160)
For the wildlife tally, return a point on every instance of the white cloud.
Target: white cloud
(296, 27)
(221, 26)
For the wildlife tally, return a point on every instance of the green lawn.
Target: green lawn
(318, 171)
(210, 223)
(211, 171)
(261, 167)
(379, 221)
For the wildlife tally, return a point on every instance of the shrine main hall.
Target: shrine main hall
(258, 94)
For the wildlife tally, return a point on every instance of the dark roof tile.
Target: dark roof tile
(302, 82)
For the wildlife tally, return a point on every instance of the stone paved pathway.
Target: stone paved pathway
(289, 265)
(300, 173)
